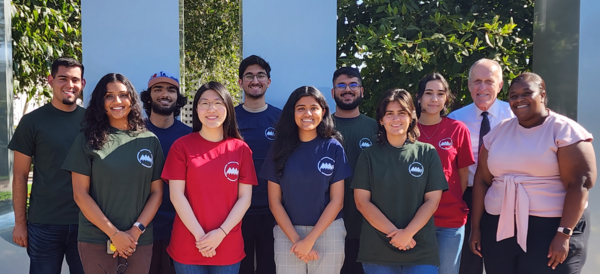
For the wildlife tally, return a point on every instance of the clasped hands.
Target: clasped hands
(126, 242)
(401, 239)
(303, 249)
(207, 244)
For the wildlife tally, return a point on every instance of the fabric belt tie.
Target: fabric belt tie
(515, 205)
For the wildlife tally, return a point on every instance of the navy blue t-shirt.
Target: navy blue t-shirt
(309, 172)
(163, 220)
(258, 130)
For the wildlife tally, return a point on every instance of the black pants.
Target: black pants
(506, 256)
(161, 261)
(351, 266)
(257, 231)
(469, 262)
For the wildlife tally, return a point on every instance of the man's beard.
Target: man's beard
(347, 106)
(255, 96)
(163, 111)
(68, 102)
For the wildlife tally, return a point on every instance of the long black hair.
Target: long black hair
(288, 136)
(405, 100)
(229, 125)
(423, 84)
(96, 126)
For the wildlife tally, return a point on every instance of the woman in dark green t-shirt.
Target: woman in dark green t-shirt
(397, 186)
(115, 166)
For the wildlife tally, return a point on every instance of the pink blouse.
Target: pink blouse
(524, 164)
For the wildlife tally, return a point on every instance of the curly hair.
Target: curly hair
(288, 136)
(96, 126)
(405, 100)
(147, 102)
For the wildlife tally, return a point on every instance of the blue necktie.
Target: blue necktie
(485, 128)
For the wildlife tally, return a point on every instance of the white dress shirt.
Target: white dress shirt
(470, 115)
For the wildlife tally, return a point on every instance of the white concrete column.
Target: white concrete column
(298, 39)
(135, 38)
(588, 102)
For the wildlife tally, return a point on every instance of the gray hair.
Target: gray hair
(484, 60)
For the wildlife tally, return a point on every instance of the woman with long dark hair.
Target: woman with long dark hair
(115, 165)
(397, 187)
(452, 142)
(210, 173)
(531, 188)
(306, 169)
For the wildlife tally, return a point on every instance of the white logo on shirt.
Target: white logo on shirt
(416, 169)
(144, 156)
(270, 133)
(365, 143)
(326, 166)
(446, 143)
(232, 171)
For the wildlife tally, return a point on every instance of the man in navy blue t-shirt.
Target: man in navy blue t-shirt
(163, 102)
(256, 121)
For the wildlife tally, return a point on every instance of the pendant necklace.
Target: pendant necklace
(436, 129)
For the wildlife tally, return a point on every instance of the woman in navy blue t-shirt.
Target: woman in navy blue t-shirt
(306, 169)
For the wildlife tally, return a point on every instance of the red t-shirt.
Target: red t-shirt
(453, 144)
(212, 171)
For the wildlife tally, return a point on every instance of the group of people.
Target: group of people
(257, 189)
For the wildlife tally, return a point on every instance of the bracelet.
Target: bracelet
(223, 230)
(114, 234)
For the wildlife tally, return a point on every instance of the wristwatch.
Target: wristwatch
(140, 226)
(565, 230)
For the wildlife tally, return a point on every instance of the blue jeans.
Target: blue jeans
(450, 242)
(47, 245)
(206, 269)
(400, 269)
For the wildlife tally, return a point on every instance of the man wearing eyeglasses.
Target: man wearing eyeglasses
(359, 132)
(256, 121)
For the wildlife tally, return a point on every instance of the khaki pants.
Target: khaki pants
(330, 246)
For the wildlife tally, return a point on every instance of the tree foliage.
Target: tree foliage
(212, 43)
(398, 42)
(42, 30)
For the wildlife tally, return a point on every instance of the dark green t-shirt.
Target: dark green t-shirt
(358, 133)
(121, 174)
(398, 179)
(46, 134)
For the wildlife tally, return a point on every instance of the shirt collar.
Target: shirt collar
(494, 110)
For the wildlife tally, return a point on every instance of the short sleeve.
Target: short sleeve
(342, 168)
(23, 139)
(247, 171)
(568, 132)
(465, 153)
(159, 161)
(175, 167)
(436, 179)
(267, 171)
(362, 173)
(78, 160)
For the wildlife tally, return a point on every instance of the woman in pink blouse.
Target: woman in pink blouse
(533, 178)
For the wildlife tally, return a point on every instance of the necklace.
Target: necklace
(436, 129)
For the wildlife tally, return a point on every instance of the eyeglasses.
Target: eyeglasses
(261, 77)
(204, 105)
(342, 87)
(121, 268)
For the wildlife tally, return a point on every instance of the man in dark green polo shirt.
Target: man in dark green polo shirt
(48, 229)
(359, 132)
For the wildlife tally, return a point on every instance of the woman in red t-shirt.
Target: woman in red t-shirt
(452, 141)
(210, 174)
